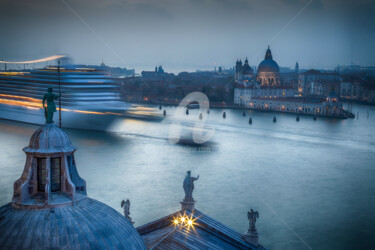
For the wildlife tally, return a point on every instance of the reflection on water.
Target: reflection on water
(314, 179)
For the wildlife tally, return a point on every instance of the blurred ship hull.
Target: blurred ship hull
(90, 120)
(89, 97)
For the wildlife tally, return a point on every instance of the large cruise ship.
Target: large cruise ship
(89, 97)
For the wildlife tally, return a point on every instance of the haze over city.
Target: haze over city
(190, 34)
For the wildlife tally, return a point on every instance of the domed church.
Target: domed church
(244, 72)
(50, 207)
(268, 71)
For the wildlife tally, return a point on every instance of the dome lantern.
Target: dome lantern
(50, 177)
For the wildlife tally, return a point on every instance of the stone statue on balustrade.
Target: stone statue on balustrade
(189, 186)
(252, 217)
(50, 98)
(251, 235)
(188, 202)
(126, 206)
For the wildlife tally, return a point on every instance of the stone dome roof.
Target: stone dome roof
(88, 224)
(49, 139)
(247, 70)
(268, 64)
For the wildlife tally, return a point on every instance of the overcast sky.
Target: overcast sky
(190, 34)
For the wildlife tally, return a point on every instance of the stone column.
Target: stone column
(47, 190)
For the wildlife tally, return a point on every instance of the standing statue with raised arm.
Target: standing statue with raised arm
(189, 186)
(50, 98)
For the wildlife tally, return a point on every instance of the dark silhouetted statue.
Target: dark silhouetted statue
(189, 186)
(50, 98)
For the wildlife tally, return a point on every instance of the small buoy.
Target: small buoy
(187, 111)
(274, 119)
(224, 115)
(164, 112)
(244, 114)
(200, 116)
(314, 117)
(250, 121)
(160, 107)
(297, 118)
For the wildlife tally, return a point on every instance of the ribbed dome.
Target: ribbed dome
(247, 70)
(88, 224)
(48, 139)
(268, 65)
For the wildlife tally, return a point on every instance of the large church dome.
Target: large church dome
(50, 208)
(49, 138)
(88, 224)
(268, 64)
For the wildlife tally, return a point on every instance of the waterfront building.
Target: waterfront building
(50, 208)
(302, 105)
(357, 87)
(243, 95)
(314, 82)
(266, 84)
(311, 92)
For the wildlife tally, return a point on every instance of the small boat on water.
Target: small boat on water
(244, 114)
(297, 118)
(187, 111)
(314, 118)
(164, 112)
(160, 107)
(200, 116)
(250, 121)
(193, 106)
(224, 115)
(274, 119)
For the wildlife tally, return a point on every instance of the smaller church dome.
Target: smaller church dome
(48, 139)
(247, 70)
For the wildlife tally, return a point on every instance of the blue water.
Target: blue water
(313, 182)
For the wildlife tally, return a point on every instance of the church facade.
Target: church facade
(265, 83)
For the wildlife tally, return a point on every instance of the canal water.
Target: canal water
(312, 182)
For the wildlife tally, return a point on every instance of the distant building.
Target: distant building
(158, 72)
(265, 84)
(311, 92)
(314, 82)
(268, 71)
(357, 87)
